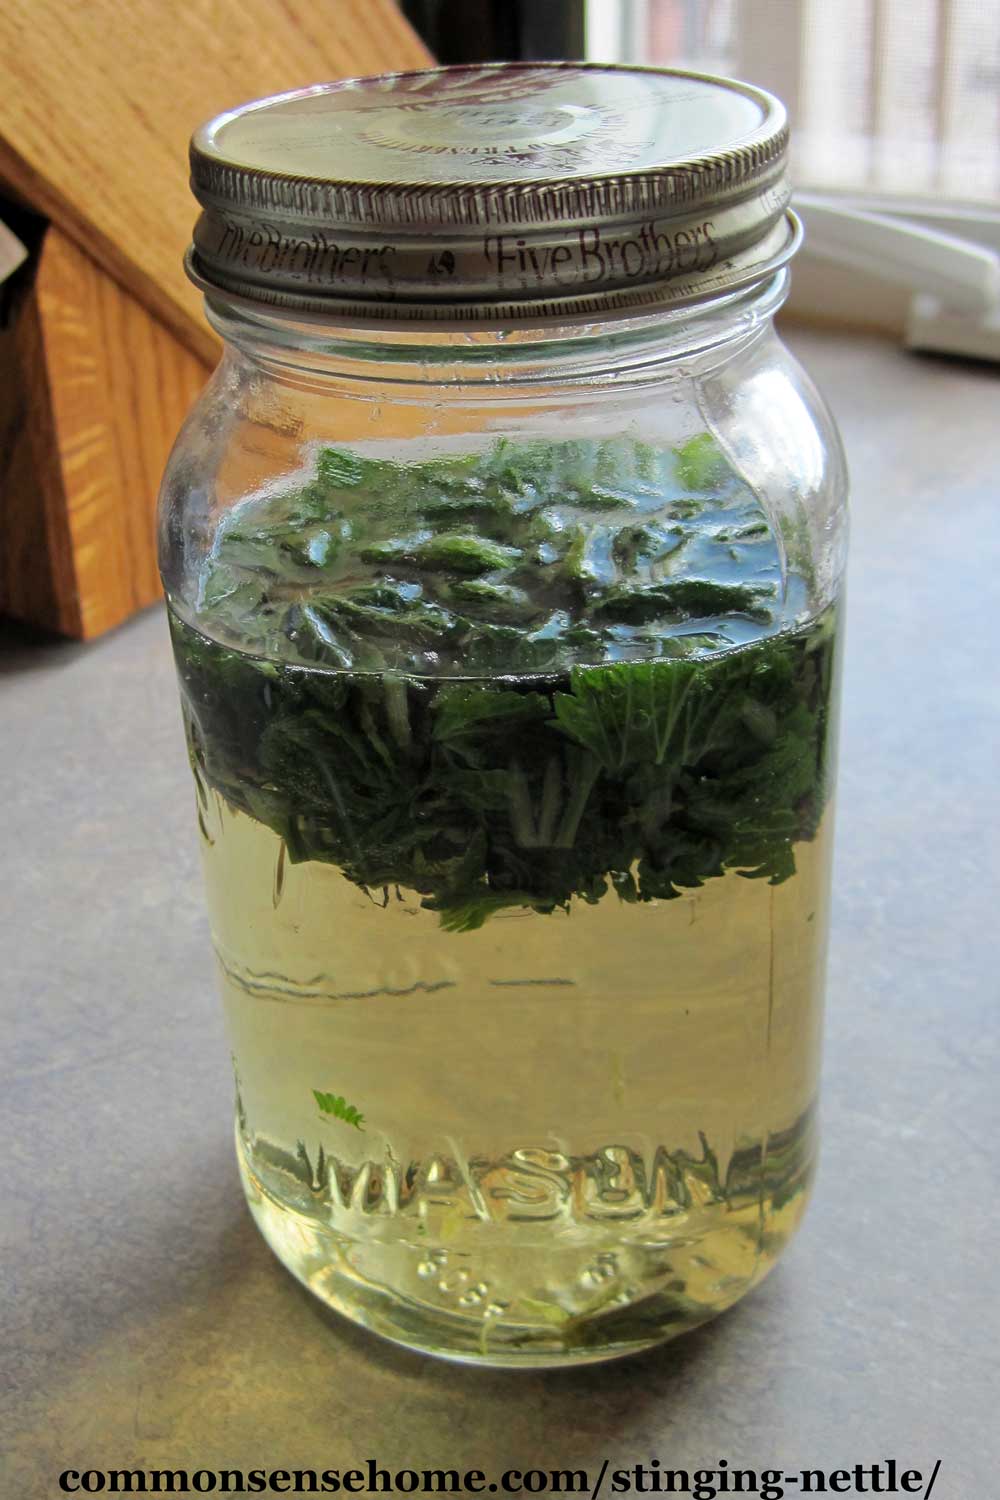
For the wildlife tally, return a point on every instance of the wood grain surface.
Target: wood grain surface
(99, 390)
(108, 347)
(100, 98)
(37, 576)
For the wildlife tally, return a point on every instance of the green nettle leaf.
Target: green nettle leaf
(686, 598)
(337, 1108)
(499, 560)
(467, 713)
(344, 470)
(678, 752)
(700, 462)
(464, 554)
(639, 712)
(469, 912)
(506, 605)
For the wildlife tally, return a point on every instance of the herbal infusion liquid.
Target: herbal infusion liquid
(503, 590)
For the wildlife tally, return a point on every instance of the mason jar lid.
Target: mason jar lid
(493, 193)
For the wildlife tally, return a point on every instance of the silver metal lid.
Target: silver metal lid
(492, 193)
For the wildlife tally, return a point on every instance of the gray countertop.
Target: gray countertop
(147, 1324)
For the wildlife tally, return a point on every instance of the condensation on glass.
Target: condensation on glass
(502, 556)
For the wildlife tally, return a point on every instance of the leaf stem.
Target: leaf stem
(576, 806)
(550, 801)
(397, 711)
(521, 816)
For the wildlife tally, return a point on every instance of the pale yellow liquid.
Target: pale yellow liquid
(582, 1133)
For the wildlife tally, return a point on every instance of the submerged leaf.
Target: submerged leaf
(641, 779)
(520, 781)
(337, 1108)
(700, 462)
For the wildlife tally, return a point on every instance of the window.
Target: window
(895, 108)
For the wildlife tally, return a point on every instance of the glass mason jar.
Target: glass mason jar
(502, 556)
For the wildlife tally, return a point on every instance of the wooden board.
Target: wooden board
(96, 389)
(109, 347)
(100, 98)
(36, 560)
